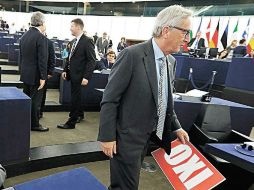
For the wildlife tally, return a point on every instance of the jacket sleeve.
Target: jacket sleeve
(42, 45)
(91, 58)
(119, 79)
(52, 58)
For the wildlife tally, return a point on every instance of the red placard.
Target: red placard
(186, 168)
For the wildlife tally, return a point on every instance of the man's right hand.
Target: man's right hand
(64, 75)
(42, 83)
(109, 148)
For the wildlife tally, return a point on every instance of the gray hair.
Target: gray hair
(170, 16)
(37, 19)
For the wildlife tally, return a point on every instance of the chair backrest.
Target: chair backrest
(215, 121)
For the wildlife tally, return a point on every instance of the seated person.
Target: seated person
(232, 46)
(223, 54)
(122, 44)
(251, 54)
(197, 42)
(66, 50)
(241, 50)
(2, 176)
(106, 63)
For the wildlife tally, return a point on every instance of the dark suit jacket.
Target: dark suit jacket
(99, 65)
(201, 42)
(82, 61)
(51, 58)
(240, 51)
(102, 47)
(33, 57)
(129, 105)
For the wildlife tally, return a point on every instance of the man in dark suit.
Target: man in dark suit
(78, 70)
(108, 62)
(241, 50)
(197, 42)
(33, 65)
(137, 104)
(50, 71)
(102, 44)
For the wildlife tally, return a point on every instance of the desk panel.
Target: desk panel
(89, 95)
(15, 108)
(202, 69)
(240, 74)
(229, 153)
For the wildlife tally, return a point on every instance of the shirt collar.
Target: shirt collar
(37, 29)
(158, 54)
(79, 36)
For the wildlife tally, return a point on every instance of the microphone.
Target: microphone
(189, 79)
(207, 97)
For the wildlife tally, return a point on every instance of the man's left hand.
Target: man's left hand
(182, 135)
(84, 82)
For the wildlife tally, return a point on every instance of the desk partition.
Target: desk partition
(188, 108)
(15, 108)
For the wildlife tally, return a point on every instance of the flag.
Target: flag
(234, 35)
(224, 37)
(208, 31)
(213, 43)
(191, 34)
(250, 45)
(199, 25)
(246, 31)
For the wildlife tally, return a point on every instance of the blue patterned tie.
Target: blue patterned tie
(162, 100)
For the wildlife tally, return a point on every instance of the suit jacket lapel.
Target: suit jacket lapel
(150, 66)
(77, 45)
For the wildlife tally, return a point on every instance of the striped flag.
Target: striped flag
(250, 45)
(208, 31)
(213, 43)
(224, 38)
(234, 35)
(246, 31)
(199, 25)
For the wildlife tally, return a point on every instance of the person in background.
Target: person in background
(197, 42)
(95, 37)
(50, 72)
(79, 69)
(122, 44)
(108, 62)
(223, 54)
(232, 46)
(110, 43)
(137, 104)
(2, 176)
(102, 44)
(66, 50)
(12, 29)
(33, 66)
(241, 50)
(251, 54)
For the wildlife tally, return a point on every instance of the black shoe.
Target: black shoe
(80, 118)
(66, 126)
(40, 128)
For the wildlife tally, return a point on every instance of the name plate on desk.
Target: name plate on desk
(187, 168)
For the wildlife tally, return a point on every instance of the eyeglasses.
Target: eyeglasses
(187, 32)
